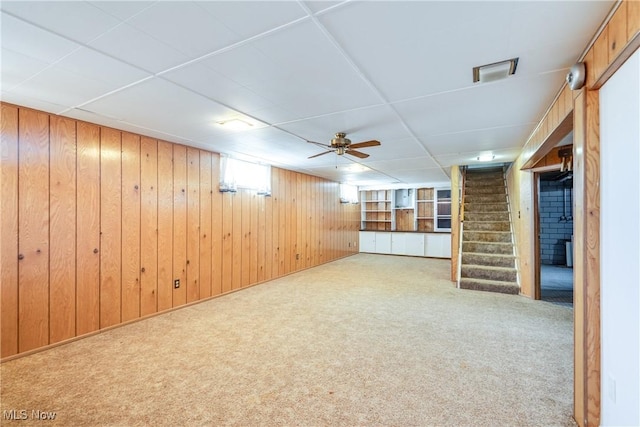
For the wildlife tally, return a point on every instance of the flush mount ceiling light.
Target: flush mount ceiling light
(496, 71)
(486, 157)
(235, 124)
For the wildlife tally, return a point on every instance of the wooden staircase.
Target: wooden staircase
(488, 260)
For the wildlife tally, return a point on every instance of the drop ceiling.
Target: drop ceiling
(399, 72)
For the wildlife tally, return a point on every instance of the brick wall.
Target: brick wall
(554, 230)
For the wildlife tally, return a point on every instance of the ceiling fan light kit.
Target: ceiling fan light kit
(341, 145)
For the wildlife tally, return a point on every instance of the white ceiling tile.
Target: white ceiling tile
(37, 104)
(32, 41)
(478, 140)
(240, 16)
(138, 48)
(17, 68)
(210, 83)
(60, 86)
(320, 5)
(501, 156)
(185, 26)
(246, 65)
(122, 9)
(404, 164)
(95, 65)
(436, 176)
(161, 105)
(79, 21)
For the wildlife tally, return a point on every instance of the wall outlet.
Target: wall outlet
(176, 283)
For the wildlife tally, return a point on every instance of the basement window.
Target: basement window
(443, 209)
(236, 173)
(348, 193)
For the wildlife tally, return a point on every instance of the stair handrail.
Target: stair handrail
(463, 172)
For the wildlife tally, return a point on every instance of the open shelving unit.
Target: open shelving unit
(376, 210)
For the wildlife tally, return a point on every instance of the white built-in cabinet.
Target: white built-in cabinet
(434, 245)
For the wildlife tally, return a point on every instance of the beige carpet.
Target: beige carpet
(368, 340)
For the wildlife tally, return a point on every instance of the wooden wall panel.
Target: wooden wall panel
(617, 35)
(253, 238)
(261, 238)
(9, 231)
(216, 228)
(245, 271)
(268, 236)
(227, 242)
(130, 226)
(633, 18)
(206, 192)
(88, 228)
(110, 227)
(165, 225)
(121, 216)
(236, 236)
(148, 226)
(193, 224)
(62, 229)
(180, 224)
(33, 219)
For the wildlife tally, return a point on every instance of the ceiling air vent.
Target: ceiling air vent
(496, 71)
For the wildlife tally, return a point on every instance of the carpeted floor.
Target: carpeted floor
(366, 340)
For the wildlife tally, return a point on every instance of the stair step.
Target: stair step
(487, 247)
(483, 190)
(486, 198)
(486, 216)
(486, 226)
(503, 274)
(486, 236)
(492, 260)
(484, 182)
(486, 207)
(490, 286)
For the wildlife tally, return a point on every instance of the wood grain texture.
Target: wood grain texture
(579, 290)
(193, 224)
(165, 225)
(88, 228)
(62, 229)
(456, 221)
(282, 222)
(110, 227)
(227, 242)
(206, 192)
(130, 226)
(236, 235)
(180, 223)
(216, 228)
(33, 241)
(247, 255)
(592, 257)
(261, 238)
(289, 223)
(9, 231)
(253, 238)
(617, 32)
(633, 18)
(148, 226)
(600, 54)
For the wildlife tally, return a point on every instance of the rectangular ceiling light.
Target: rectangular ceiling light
(235, 124)
(496, 71)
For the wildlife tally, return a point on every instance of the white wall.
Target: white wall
(619, 245)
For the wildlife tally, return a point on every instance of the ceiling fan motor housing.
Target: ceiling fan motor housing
(340, 140)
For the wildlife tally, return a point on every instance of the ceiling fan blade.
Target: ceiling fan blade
(371, 143)
(321, 154)
(357, 153)
(319, 144)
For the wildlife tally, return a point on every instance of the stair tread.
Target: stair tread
(488, 281)
(492, 243)
(489, 267)
(490, 254)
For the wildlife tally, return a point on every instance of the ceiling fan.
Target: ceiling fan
(340, 145)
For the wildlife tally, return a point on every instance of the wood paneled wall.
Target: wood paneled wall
(97, 224)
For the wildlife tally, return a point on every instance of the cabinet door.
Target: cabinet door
(414, 244)
(383, 243)
(367, 241)
(438, 245)
(399, 243)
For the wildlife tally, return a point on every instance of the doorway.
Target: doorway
(555, 237)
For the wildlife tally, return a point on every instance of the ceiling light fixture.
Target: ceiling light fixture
(496, 71)
(235, 124)
(486, 157)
